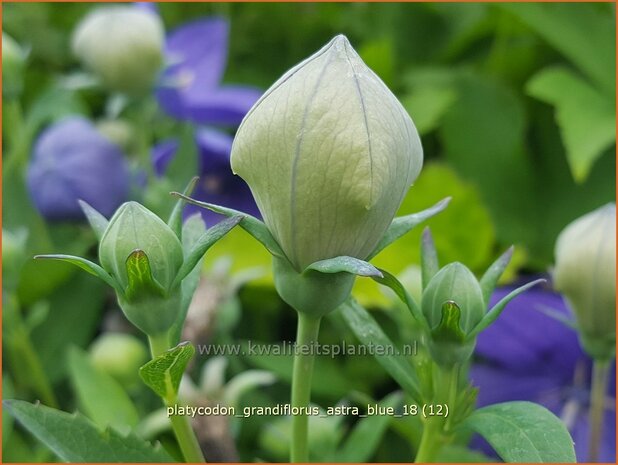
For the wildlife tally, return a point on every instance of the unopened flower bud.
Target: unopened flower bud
(123, 45)
(453, 305)
(120, 356)
(329, 154)
(585, 273)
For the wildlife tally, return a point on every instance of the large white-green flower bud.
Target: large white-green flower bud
(123, 45)
(329, 154)
(585, 273)
(133, 227)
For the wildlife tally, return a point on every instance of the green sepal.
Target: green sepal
(204, 243)
(87, 266)
(449, 328)
(175, 219)
(558, 316)
(141, 282)
(97, 222)
(429, 258)
(392, 282)
(490, 279)
(345, 264)
(402, 224)
(497, 309)
(163, 373)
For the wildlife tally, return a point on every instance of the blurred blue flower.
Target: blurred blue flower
(217, 183)
(197, 55)
(71, 160)
(527, 355)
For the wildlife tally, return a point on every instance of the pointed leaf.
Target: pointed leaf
(449, 328)
(192, 229)
(74, 438)
(97, 222)
(558, 316)
(85, 265)
(367, 434)
(163, 373)
(249, 223)
(490, 279)
(391, 281)
(345, 264)
(368, 331)
(100, 395)
(175, 219)
(141, 282)
(429, 257)
(523, 432)
(204, 243)
(493, 314)
(403, 224)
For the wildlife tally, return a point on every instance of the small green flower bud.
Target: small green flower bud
(329, 154)
(120, 356)
(134, 227)
(13, 63)
(123, 45)
(454, 283)
(585, 273)
(119, 132)
(453, 305)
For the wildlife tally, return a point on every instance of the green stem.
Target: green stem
(436, 431)
(181, 424)
(600, 374)
(306, 337)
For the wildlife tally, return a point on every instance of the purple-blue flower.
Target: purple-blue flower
(528, 355)
(190, 88)
(217, 183)
(71, 160)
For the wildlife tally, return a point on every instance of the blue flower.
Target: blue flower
(217, 182)
(527, 355)
(191, 89)
(71, 160)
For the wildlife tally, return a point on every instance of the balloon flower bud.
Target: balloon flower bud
(123, 45)
(120, 356)
(72, 161)
(585, 273)
(453, 306)
(329, 153)
(150, 264)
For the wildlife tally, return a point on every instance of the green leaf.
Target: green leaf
(192, 229)
(367, 434)
(200, 247)
(523, 432)
(429, 257)
(454, 453)
(184, 164)
(403, 224)
(141, 282)
(493, 314)
(97, 222)
(345, 264)
(427, 104)
(490, 278)
(164, 372)
(584, 33)
(368, 331)
(74, 438)
(392, 282)
(100, 396)
(249, 223)
(87, 266)
(175, 219)
(587, 118)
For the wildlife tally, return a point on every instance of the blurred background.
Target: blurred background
(515, 105)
